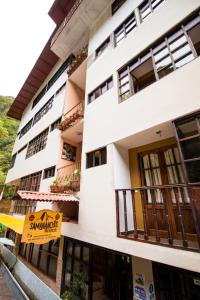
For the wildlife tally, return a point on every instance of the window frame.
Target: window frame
(103, 151)
(123, 26)
(50, 170)
(97, 92)
(164, 42)
(37, 144)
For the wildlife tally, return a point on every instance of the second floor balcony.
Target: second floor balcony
(162, 215)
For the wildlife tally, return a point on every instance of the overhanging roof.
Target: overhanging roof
(38, 74)
(60, 9)
(47, 197)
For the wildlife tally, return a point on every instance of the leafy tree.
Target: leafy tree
(8, 130)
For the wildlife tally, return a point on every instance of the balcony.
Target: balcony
(68, 178)
(162, 215)
(72, 124)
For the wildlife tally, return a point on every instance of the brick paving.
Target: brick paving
(5, 293)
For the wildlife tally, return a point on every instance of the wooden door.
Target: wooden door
(158, 167)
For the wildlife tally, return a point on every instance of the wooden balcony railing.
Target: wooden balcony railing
(72, 116)
(165, 215)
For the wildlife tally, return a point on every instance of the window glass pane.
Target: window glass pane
(110, 83)
(97, 158)
(43, 262)
(86, 255)
(35, 254)
(125, 96)
(193, 169)
(103, 88)
(67, 279)
(191, 148)
(184, 61)
(165, 71)
(119, 37)
(69, 248)
(69, 263)
(90, 160)
(156, 3)
(124, 88)
(181, 52)
(103, 156)
(180, 41)
(161, 54)
(52, 267)
(77, 251)
(188, 128)
(163, 63)
(124, 80)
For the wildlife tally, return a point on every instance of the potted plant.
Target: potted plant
(56, 187)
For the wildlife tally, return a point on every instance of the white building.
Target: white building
(138, 142)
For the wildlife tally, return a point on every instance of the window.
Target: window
(53, 80)
(26, 128)
(22, 149)
(116, 5)
(60, 89)
(124, 29)
(76, 258)
(30, 182)
(13, 160)
(108, 84)
(102, 47)
(167, 55)
(188, 135)
(96, 158)
(44, 257)
(148, 7)
(50, 172)
(23, 207)
(55, 124)
(43, 111)
(37, 144)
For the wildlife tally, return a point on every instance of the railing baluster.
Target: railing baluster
(125, 213)
(180, 217)
(154, 213)
(117, 212)
(134, 214)
(166, 210)
(144, 215)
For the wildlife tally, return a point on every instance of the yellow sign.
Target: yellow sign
(41, 227)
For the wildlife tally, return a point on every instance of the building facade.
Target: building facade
(110, 118)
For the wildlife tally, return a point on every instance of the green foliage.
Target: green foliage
(9, 192)
(8, 130)
(77, 285)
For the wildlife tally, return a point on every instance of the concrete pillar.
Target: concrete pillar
(143, 284)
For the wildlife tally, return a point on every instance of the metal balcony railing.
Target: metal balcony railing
(72, 116)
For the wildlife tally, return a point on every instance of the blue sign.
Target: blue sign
(140, 293)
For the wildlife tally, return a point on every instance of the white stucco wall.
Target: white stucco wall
(49, 155)
(106, 122)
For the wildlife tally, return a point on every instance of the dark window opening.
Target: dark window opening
(25, 129)
(149, 6)
(37, 144)
(167, 55)
(102, 47)
(116, 5)
(50, 172)
(96, 158)
(125, 28)
(30, 182)
(188, 136)
(13, 160)
(108, 84)
(43, 111)
(44, 257)
(143, 75)
(53, 80)
(55, 124)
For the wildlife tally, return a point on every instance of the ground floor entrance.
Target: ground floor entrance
(173, 283)
(96, 273)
